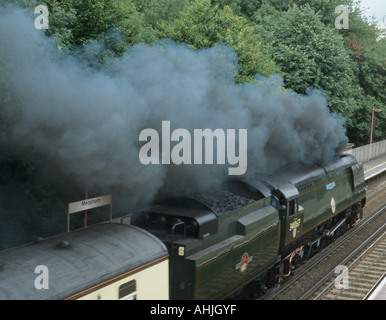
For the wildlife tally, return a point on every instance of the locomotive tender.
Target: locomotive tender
(233, 241)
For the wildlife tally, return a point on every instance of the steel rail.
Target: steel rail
(313, 289)
(320, 256)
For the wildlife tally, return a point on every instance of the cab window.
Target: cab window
(293, 207)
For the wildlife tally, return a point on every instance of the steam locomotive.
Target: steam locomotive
(231, 242)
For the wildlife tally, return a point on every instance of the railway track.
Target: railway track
(355, 276)
(311, 276)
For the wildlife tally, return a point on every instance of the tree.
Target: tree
(155, 11)
(114, 23)
(105, 27)
(367, 50)
(240, 7)
(254, 10)
(310, 54)
(62, 17)
(203, 26)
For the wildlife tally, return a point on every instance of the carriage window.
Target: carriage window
(126, 289)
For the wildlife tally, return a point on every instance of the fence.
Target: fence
(369, 151)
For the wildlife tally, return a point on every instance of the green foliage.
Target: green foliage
(255, 10)
(372, 74)
(114, 23)
(95, 17)
(360, 132)
(156, 11)
(367, 52)
(240, 7)
(203, 26)
(311, 54)
(351, 69)
(62, 16)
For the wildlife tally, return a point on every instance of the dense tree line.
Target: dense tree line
(296, 38)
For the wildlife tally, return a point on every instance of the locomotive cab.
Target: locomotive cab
(285, 199)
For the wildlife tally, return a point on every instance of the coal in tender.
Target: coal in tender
(221, 202)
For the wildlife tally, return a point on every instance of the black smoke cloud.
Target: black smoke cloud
(87, 122)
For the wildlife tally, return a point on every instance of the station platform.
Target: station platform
(374, 167)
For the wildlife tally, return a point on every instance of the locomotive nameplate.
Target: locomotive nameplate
(295, 224)
(294, 227)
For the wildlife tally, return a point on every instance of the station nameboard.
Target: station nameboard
(89, 204)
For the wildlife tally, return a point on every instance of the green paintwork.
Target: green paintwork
(322, 198)
(330, 195)
(242, 245)
(218, 267)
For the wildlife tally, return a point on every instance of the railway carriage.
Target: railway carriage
(105, 261)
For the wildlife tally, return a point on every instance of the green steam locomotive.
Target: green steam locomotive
(247, 235)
